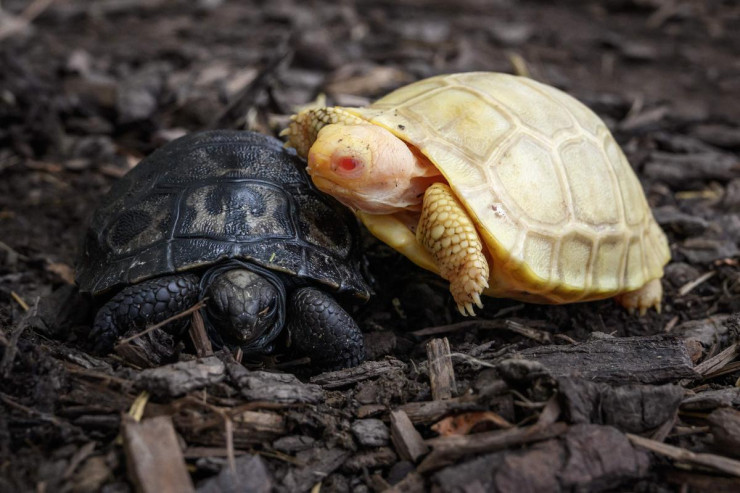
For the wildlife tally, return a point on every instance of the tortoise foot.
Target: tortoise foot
(449, 234)
(143, 304)
(320, 328)
(650, 295)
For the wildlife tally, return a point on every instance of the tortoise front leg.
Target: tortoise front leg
(446, 230)
(143, 304)
(320, 328)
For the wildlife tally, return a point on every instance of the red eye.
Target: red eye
(349, 163)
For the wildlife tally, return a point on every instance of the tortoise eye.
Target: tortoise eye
(348, 164)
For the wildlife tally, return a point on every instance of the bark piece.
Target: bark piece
(250, 476)
(412, 483)
(370, 459)
(294, 443)
(370, 432)
(408, 442)
(586, 458)
(271, 387)
(349, 376)
(633, 408)
(725, 423)
(706, 331)
(318, 465)
(651, 359)
(183, 377)
(432, 411)
(441, 371)
(155, 461)
(600, 457)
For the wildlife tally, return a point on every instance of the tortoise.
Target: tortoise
(231, 216)
(502, 185)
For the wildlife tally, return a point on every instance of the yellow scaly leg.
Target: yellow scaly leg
(449, 234)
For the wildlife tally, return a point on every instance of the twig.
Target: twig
(44, 416)
(717, 362)
(20, 301)
(12, 252)
(716, 462)
(35, 9)
(229, 431)
(689, 286)
(200, 304)
(510, 325)
(12, 347)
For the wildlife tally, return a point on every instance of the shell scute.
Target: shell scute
(542, 199)
(595, 201)
(532, 108)
(574, 259)
(463, 120)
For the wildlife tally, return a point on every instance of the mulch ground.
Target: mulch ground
(580, 397)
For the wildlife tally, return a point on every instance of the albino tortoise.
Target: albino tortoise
(502, 185)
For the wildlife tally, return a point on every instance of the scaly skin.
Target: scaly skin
(305, 126)
(449, 234)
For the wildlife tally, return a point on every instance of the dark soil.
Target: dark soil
(88, 88)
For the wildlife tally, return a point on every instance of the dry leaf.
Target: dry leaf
(463, 424)
(64, 271)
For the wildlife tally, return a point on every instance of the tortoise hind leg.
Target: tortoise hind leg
(650, 295)
(448, 233)
(143, 304)
(320, 328)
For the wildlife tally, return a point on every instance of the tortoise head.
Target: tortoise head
(367, 168)
(244, 306)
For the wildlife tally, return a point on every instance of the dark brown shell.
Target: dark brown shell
(213, 196)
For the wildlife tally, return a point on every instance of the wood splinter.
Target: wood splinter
(153, 456)
(441, 371)
(408, 442)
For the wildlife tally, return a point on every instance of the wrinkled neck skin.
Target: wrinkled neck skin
(369, 169)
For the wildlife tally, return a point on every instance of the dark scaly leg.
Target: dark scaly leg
(141, 305)
(320, 328)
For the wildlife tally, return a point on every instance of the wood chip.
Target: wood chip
(408, 442)
(349, 376)
(716, 462)
(183, 377)
(725, 425)
(431, 411)
(711, 399)
(153, 456)
(650, 359)
(412, 483)
(441, 371)
(249, 474)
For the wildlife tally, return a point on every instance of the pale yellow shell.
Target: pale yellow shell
(563, 214)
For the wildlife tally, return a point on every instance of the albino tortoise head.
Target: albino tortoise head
(367, 168)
